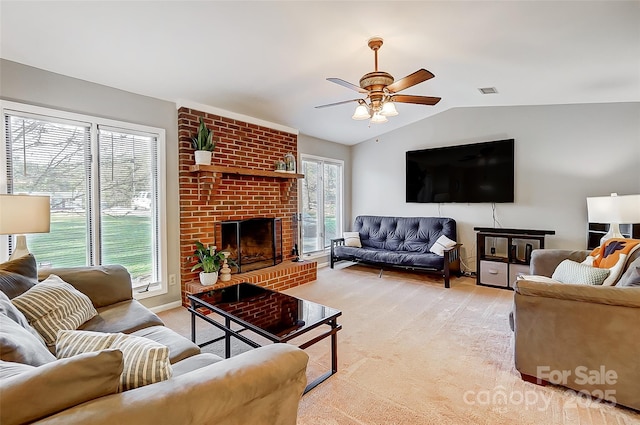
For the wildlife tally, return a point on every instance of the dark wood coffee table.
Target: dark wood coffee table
(273, 315)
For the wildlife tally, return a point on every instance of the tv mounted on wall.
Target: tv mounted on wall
(479, 172)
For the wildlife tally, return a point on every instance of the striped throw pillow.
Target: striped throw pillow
(52, 305)
(145, 361)
(72, 343)
(571, 272)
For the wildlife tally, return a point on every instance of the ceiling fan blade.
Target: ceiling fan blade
(410, 80)
(420, 100)
(338, 103)
(347, 85)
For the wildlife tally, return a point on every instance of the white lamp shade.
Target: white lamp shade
(377, 118)
(614, 209)
(389, 109)
(20, 214)
(361, 113)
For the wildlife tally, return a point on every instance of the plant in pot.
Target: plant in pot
(203, 144)
(209, 261)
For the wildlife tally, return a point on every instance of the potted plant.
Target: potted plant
(210, 261)
(203, 144)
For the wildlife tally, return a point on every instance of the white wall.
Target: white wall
(564, 153)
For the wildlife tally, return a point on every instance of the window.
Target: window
(321, 199)
(105, 182)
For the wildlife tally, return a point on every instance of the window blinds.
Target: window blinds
(103, 189)
(48, 157)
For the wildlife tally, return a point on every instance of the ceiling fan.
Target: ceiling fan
(381, 91)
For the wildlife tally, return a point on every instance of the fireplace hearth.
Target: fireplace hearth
(253, 243)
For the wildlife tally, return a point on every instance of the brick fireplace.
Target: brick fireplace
(246, 189)
(253, 244)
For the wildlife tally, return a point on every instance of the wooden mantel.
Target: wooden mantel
(215, 170)
(244, 171)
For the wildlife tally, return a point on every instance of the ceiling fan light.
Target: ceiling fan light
(389, 109)
(378, 119)
(361, 113)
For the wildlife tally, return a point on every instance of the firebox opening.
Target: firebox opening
(254, 243)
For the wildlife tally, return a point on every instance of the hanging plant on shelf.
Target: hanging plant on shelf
(203, 144)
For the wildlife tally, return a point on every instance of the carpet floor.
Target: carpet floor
(413, 352)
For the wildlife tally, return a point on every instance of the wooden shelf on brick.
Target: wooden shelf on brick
(214, 170)
(244, 171)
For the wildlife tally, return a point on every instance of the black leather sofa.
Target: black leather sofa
(403, 242)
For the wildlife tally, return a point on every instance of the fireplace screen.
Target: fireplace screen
(253, 244)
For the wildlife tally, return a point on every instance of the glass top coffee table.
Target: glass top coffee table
(273, 315)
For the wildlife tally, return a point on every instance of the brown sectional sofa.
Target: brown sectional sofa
(588, 333)
(261, 386)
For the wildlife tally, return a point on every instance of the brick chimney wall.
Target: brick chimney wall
(204, 201)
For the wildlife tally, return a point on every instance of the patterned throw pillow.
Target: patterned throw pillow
(612, 255)
(571, 272)
(145, 361)
(53, 305)
(72, 343)
(352, 239)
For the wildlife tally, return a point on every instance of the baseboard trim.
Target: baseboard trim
(165, 307)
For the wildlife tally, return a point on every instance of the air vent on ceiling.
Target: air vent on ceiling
(488, 90)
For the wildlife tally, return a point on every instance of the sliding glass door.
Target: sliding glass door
(321, 199)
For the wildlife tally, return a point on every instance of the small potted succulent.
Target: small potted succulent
(209, 261)
(203, 144)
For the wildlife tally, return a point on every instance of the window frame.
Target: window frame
(8, 107)
(323, 160)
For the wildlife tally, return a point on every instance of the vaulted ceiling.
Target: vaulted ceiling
(270, 60)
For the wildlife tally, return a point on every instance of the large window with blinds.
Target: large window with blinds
(104, 179)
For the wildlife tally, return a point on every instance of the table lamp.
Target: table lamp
(21, 214)
(614, 209)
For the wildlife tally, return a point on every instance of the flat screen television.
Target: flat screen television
(479, 172)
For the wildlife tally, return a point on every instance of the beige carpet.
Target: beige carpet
(412, 352)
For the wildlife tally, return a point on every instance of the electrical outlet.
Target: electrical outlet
(172, 279)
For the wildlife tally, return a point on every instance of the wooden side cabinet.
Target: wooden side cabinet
(503, 254)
